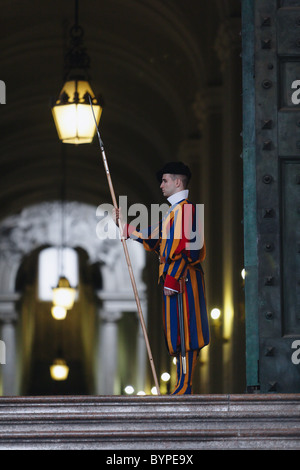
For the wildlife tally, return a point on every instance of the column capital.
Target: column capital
(110, 316)
(8, 311)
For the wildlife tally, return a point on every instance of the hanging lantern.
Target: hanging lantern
(58, 312)
(64, 294)
(59, 370)
(72, 111)
(55, 262)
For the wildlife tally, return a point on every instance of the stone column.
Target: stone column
(228, 48)
(142, 355)
(203, 152)
(190, 152)
(107, 357)
(8, 321)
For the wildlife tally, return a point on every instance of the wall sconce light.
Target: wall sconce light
(165, 376)
(215, 313)
(129, 389)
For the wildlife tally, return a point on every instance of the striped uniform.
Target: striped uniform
(177, 241)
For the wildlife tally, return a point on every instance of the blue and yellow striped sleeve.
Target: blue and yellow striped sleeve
(148, 237)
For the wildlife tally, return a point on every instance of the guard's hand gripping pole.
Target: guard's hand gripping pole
(127, 257)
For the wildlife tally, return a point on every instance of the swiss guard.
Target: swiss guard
(179, 242)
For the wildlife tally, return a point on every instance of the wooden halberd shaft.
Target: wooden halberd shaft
(127, 257)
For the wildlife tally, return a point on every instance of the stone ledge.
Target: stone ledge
(118, 422)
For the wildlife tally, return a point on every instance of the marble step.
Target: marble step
(154, 422)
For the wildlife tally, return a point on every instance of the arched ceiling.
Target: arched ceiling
(149, 59)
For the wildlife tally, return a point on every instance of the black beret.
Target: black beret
(174, 168)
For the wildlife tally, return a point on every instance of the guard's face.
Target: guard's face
(168, 185)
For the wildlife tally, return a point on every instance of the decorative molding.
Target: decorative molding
(40, 226)
(8, 307)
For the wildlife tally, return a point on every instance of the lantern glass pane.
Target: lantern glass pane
(64, 297)
(74, 119)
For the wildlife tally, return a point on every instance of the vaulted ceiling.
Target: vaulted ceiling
(149, 59)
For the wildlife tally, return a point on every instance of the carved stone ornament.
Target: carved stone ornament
(40, 226)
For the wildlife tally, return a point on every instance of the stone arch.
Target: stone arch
(37, 227)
